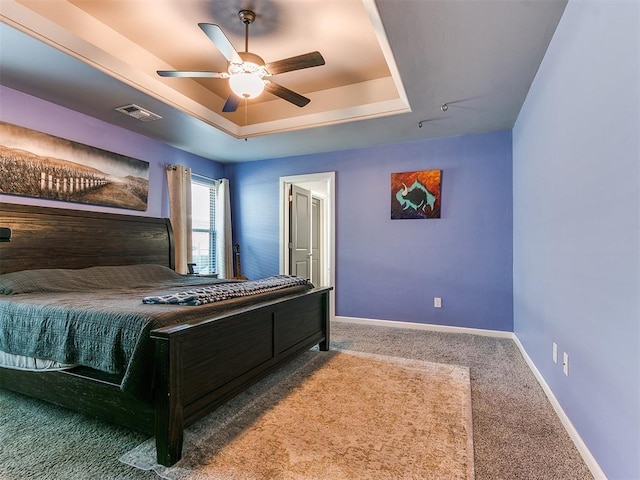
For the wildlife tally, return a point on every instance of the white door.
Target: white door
(300, 232)
(316, 241)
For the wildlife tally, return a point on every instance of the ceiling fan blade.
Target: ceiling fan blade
(286, 94)
(232, 104)
(191, 74)
(220, 40)
(307, 60)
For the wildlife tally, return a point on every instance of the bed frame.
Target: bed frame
(198, 365)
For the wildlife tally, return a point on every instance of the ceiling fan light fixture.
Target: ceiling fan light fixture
(247, 74)
(246, 85)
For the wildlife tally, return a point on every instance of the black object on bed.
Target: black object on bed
(170, 364)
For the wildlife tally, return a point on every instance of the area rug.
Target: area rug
(334, 415)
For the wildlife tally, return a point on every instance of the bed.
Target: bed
(184, 368)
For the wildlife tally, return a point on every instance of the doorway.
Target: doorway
(322, 237)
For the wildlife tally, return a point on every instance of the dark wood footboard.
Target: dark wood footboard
(200, 366)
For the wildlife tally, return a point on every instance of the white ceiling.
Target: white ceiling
(389, 66)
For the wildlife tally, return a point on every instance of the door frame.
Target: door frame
(324, 184)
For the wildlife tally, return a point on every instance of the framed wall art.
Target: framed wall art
(35, 164)
(416, 194)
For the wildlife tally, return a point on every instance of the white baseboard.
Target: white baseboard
(424, 326)
(590, 461)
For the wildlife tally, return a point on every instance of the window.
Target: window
(203, 223)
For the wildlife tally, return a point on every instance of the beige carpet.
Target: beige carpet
(334, 415)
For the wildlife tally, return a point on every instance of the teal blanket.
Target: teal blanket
(103, 326)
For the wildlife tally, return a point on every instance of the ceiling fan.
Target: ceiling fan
(248, 74)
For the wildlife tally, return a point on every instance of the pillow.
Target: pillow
(92, 278)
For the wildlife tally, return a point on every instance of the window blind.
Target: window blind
(203, 211)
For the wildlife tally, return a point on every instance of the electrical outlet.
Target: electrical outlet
(555, 352)
(565, 363)
(437, 302)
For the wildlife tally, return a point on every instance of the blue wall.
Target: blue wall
(556, 258)
(577, 226)
(391, 269)
(31, 112)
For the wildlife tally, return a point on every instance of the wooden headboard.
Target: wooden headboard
(44, 237)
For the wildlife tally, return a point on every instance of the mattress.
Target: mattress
(21, 362)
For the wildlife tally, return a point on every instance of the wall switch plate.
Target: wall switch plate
(565, 363)
(555, 352)
(437, 302)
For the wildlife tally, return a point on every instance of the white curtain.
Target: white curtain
(224, 247)
(179, 182)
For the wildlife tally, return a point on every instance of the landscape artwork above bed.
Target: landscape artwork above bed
(416, 194)
(35, 164)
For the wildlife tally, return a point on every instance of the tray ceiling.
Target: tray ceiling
(390, 66)
(131, 39)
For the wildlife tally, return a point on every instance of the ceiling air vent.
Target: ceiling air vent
(138, 112)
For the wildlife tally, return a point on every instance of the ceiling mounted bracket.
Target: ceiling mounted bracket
(247, 16)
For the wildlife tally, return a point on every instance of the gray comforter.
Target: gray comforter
(95, 317)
